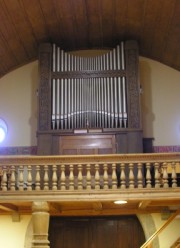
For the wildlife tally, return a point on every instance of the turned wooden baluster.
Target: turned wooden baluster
(148, 175)
(165, 176)
(54, 177)
(21, 178)
(173, 175)
(4, 179)
(37, 178)
(105, 176)
(13, 178)
(123, 176)
(63, 178)
(29, 178)
(46, 177)
(97, 177)
(88, 176)
(157, 175)
(139, 176)
(71, 177)
(114, 177)
(131, 176)
(80, 178)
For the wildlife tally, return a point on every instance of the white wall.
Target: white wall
(19, 234)
(18, 105)
(170, 234)
(160, 104)
(13, 234)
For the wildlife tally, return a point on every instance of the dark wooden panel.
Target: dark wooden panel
(27, 40)
(87, 144)
(88, 24)
(80, 23)
(161, 29)
(130, 228)
(173, 39)
(10, 35)
(130, 142)
(75, 235)
(66, 20)
(104, 233)
(117, 142)
(135, 15)
(151, 17)
(7, 60)
(120, 27)
(107, 13)
(134, 142)
(69, 234)
(44, 144)
(94, 23)
(37, 23)
(110, 232)
(51, 19)
(148, 145)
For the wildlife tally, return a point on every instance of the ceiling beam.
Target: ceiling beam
(97, 206)
(8, 207)
(143, 204)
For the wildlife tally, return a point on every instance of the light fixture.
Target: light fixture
(3, 130)
(120, 202)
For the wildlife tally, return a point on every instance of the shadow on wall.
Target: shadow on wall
(146, 99)
(29, 236)
(149, 228)
(34, 103)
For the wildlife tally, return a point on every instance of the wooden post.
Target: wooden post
(40, 220)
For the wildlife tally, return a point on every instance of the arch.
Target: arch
(149, 228)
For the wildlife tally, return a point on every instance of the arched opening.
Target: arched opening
(96, 232)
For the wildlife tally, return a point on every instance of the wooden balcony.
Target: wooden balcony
(88, 185)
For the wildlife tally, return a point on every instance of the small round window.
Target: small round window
(3, 130)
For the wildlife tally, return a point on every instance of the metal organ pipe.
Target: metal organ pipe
(124, 87)
(89, 101)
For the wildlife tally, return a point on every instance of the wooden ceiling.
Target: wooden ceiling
(88, 24)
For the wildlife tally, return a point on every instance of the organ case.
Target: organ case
(89, 98)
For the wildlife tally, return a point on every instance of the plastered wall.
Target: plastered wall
(13, 234)
(160, 103)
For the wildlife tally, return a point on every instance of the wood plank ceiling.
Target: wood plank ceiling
(88, 24)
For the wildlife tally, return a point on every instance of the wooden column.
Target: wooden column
(40, 220)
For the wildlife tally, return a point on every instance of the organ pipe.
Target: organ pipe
(83, 102)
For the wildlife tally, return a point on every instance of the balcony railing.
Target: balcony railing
(89, 172)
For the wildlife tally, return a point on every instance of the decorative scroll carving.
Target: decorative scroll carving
(132, 85)
(44, 89)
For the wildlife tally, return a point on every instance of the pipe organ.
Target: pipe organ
(89, 95)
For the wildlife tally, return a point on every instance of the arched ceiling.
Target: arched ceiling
(88, 24)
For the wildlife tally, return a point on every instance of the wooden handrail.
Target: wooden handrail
(121, 158)
(110, 171)
(150, 239)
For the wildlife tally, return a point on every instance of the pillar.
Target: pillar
(40, 221)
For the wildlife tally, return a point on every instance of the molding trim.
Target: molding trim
(18, 150)
(162, 149)
(32, 150)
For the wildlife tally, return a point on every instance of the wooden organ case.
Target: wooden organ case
(89, 105)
